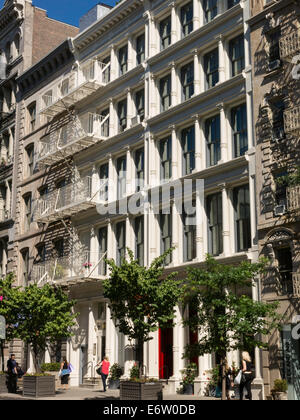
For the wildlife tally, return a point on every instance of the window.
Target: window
(103, 174)
(139, 238)
(210, 8)
(211, 68)
(239, 128)
(121, 173)
(187, 81)
(25, 266)
(139, 164)
(186, 18)
(241, 203)
(30, 159)
(140, 49)
(105, 124)
(8, 53)
(17, 45)
(102, 238)
(281, 188)
(165, 149)
(64, 87)
(215, 224)
(278, 108)
(165, 93)
(237, 55)
(189, 235)
(121, 242)
(166, 235)
(58, 248)
(32, 116)
(165, 32)
(232, 3)
(123, 59)
(140, 104)
(188, 149)
(285, 268)
(213, 139)
(106, 72)
(27, 212)
(122, 115)
(274, 50)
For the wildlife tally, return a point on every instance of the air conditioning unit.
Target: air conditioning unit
(136, 120)
(280, 210)
(274, 65)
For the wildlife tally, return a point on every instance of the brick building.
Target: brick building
(275, 46)
(26, 35)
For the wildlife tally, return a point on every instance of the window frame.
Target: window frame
(242, 218)
(239, 136)
(213, 140)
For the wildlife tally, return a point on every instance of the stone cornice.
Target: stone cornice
(10, 14)
(114, 17)
(273, 7)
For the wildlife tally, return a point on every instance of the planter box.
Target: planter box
(114, 384)
(137, 391)
(280, 396)
(57, 378)
(3, 386)
(38, 386)
(188, 389)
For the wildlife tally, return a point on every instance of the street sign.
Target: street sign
(2, 328)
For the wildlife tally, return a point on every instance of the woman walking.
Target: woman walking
(104, 365)
(247, 374)
(65, 373)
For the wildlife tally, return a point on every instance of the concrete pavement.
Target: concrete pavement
(77, 394)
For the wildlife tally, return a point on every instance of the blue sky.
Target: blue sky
(68, 11)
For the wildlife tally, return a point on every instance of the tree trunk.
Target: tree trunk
(223, 370)
(2, 354)
(140, 355)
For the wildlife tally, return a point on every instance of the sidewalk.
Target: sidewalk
(77, 394)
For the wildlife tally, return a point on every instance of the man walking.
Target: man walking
(12, 374)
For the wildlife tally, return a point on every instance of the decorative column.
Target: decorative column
(174, 84)
(129, 108)
(224, 138)
(175, 153)
(110, 337)
(178, 345)
(113, 63)
(226, 226)
(147, 34)
(152, 36)
(153, 95)
(91, 331)
(200, 254)
(174, 23)
(196, 12)
(221, 48)
(112, 190)
(112, 118)
(197, 86)
(129, 172)
(130, 58)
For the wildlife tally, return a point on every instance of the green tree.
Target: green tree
(226, 319)
(141, 299)
(45, 317)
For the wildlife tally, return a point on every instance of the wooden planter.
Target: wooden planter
(3, 386)
(140, 391)
(57, 378)
(38, 386)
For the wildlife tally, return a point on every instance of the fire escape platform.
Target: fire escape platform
(65, 212)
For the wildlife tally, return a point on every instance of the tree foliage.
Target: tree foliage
(10, 302)
(225, 317)
(141, 299)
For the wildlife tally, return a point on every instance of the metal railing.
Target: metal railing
(292, 120)
(67, 196)
(92, 71)
(293, 198)
(78, 264)
(290, 44)
(85, 126)
(296, 284)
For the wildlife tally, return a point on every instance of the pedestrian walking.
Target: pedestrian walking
(12, 374)
(247, 376)
(104, 366)
(65, 370)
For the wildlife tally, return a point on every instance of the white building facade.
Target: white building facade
(158, 92)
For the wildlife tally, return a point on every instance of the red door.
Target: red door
(165, 353)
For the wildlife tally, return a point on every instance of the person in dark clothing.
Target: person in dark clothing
(247, 373)
(12, 374)
(65, 374)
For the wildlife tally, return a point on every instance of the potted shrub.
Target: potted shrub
(189, 375)
(38, 385)
(3, 383)
(214, 382)
(52, 369)
(279, 391)
(139, 387)
(115, 373)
